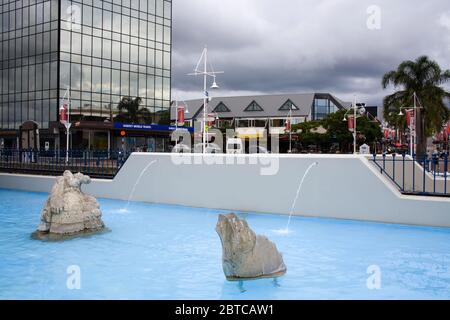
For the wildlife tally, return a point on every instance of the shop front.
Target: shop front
(144, 138)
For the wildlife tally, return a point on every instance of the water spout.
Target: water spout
(125, 210)
(297, 196)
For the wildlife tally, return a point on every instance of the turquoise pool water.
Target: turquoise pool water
(169, 252)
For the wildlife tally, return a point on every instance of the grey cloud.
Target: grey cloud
(302, 46)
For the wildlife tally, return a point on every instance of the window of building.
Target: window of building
(253, 106)
(221, 107)
(288, 105)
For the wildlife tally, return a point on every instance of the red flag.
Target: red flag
(409, 117)
(63, 114)
(288, 126)
(351, 123)
(181, 119)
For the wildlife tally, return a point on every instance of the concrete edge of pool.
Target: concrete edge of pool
(342, 186)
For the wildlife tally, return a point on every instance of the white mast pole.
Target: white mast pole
(354, 129)
(205, 99)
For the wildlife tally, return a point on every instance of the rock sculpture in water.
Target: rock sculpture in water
(246, 255)
(68, 211)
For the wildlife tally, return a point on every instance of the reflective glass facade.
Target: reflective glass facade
(323, 106)
(29, 62)
(101, 50)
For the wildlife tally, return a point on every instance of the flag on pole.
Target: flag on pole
(64, 110)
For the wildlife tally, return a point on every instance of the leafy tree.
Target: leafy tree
(337, 131)
(424, 78)
(131, 112)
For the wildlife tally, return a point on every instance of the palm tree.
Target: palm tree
(422, 77)
(131, 112)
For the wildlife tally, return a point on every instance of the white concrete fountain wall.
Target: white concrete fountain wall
(342, 186)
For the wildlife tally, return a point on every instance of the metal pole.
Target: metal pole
(412, 125)
(354, 130)
(68, 126)
(176, 121)
(205, 98)
(290, 130)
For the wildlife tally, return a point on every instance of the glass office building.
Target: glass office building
(102, 51)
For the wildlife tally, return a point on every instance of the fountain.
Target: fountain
(68, 211)
(246, 255)
(286, 230)
(125, 210)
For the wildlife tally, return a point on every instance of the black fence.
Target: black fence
(427, 176)
(95, 163)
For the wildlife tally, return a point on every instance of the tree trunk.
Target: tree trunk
(421, 136)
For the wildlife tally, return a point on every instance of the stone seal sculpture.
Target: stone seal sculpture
(246, 255)
(68, 211)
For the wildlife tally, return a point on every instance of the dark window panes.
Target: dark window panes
(115, 81)
(125, 25)
(86, 78)
(160, 8)
(25, 17)
(106, 54)
(46, 76)
(32, 15)
(65, 41)
(116, 22)
(125, 52)
(98, 18)
(97, 47)
(54, 41)
(39, 77)
(76, 43)
(133, 84)
(32, 78)
(116, 50)
(47, 11)
(39, 13)
(46, 42)
(39, 39)
(18, 18)
(54, 15)
(106, 80)
(87, 45)
(124, 83)
(107, 20)
(75, 74)
(151, 6)
(25, 78)
(143, 5)
(134, 54)
(87, 15)
(54, 75)
(65, 74)
(151, 31)
(96, 79)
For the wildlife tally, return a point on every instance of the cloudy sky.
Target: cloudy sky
(337, 46)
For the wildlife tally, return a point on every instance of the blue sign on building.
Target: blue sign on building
(150, 127)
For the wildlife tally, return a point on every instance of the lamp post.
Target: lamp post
(64, 118)
(357, 108)
(205, 73)
(412, 124)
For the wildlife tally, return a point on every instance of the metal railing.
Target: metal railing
(427, 176)
(95, 163)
